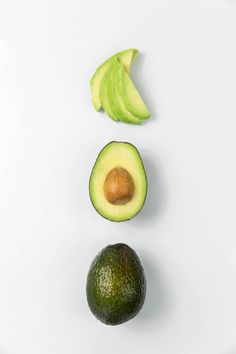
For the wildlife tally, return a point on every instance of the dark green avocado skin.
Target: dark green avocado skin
(116, 285)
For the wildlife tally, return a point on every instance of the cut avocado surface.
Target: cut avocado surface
(119, 97)
(130, 96)
(107, 94)
(126, 116)
(110, 97)
(118, 183)
(116, 285)
(126, 57)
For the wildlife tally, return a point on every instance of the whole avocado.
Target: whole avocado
(116, 285)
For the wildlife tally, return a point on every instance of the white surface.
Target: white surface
(49, 138)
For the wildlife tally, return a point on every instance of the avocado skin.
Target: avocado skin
(90, 196)
(116, 285)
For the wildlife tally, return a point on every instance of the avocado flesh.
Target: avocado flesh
(131, 97)
(126, 156)
(126, 57)
(114, 98)
(116, 285)
(125, 115)
(109, 96)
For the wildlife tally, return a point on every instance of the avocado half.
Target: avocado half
(118, 182)
(116, 285)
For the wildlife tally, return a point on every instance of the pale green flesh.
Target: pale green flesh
(112, 102)
(131, 98)
(125, 115)
(118, 154)
(106, 94)
(126, 57)
(119, 97)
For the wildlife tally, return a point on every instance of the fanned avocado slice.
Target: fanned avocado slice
(109, 95)
(125, 115)
(118, 183)
(130, 96)
(126, 57)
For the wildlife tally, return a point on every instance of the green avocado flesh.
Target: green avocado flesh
(116, 285)
(119, 97)
(130, 96)
(126, 57)
(127, 116)
(108, 95)
(111, 95)
(118, 156)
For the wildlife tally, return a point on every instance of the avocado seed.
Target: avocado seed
(118, 186)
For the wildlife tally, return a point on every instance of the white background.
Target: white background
(50, 136)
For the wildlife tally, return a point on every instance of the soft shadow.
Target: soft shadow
(158, 301)
(141, 83)
(156, 199)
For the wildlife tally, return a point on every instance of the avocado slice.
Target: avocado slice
(116, 285)
(109, 96)
(126, 57)
(125, 115)
(118, 183)
(130, 96)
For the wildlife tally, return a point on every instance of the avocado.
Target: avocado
(110, 95)
(126, 115)
(118, 183)
(126, 57)
(107, 94)
(119, 97)
(130, 96)
(116, 285)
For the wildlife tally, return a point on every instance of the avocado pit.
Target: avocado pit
(118, 186)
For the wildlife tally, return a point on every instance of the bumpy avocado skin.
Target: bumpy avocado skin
(116, 285)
